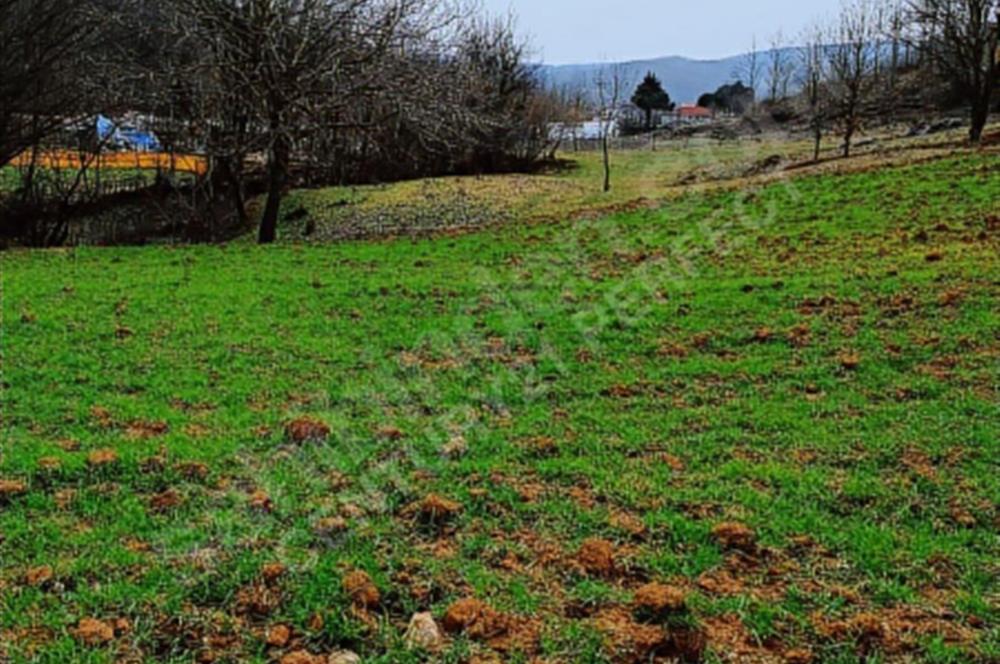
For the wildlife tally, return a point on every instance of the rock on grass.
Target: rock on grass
(423, 633)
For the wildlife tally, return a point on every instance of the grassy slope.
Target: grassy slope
(631, 342)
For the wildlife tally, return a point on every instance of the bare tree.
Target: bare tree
(961, 39)
(780, 68)
(852, 66)
(750, 71)
(40, 46)
(280, 65)
(609, 86)
(813, 95)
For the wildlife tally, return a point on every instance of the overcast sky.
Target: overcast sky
(582, 31)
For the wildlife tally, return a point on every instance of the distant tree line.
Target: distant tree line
(865, 65)
(277, 92)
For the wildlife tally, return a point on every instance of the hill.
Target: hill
(755, 423)
(685, 79)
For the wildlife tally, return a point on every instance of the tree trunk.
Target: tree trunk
(980, 114)
(277, 173)
(649, 119)
(607, 163)
(818, 139)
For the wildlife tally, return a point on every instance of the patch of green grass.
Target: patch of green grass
(815, 359)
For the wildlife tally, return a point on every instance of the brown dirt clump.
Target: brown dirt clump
(799, 335)
(630, 523)
(330, 525)
(260, 501)
(38, 576)
(597, 556)
(142, 430)
(850, 361)
(306, 430)
(192, 470)
(49, 463)
(463, 614)
(301, 657)
(798, 656)
(720, 583)
(655, 600)
(675, 463)
(389, 432)
(93, 632)
(258, 599)
(362, 591)
(628, 640)
(732, 535)
(11, 488)
(165, 501)
(273, 571)
(102, 416)
(499, 631)
(278, 636)
(102, 457)
(435, 508)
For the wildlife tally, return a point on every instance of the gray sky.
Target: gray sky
(581, 31)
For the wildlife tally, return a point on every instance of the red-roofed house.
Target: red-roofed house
(694, 113)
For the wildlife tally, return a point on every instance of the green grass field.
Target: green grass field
(742, 426)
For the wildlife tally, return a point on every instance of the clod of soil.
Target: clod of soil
(597, 556)
(301, 657)
(330, 525)
(142, 430)
(798, 656)
(260, 501)
(38, 576)
(278, 636)
(362, 591)
(343, 657)
(273, 571)
(850, 361)
(435, 508)
(656, 600)
(49, 463)
(102, 457)
(423, 633)
(165, 501)
(731, 535)
(306, 430)
(630, 641)
(389, 432)
(93, 632)
(464, 614)
(192, 470)
(11, 488)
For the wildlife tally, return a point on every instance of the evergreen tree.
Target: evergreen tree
(650, 96)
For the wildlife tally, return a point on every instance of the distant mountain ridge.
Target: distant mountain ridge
(685, 79)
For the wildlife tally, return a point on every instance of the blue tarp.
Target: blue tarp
(126, 138)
